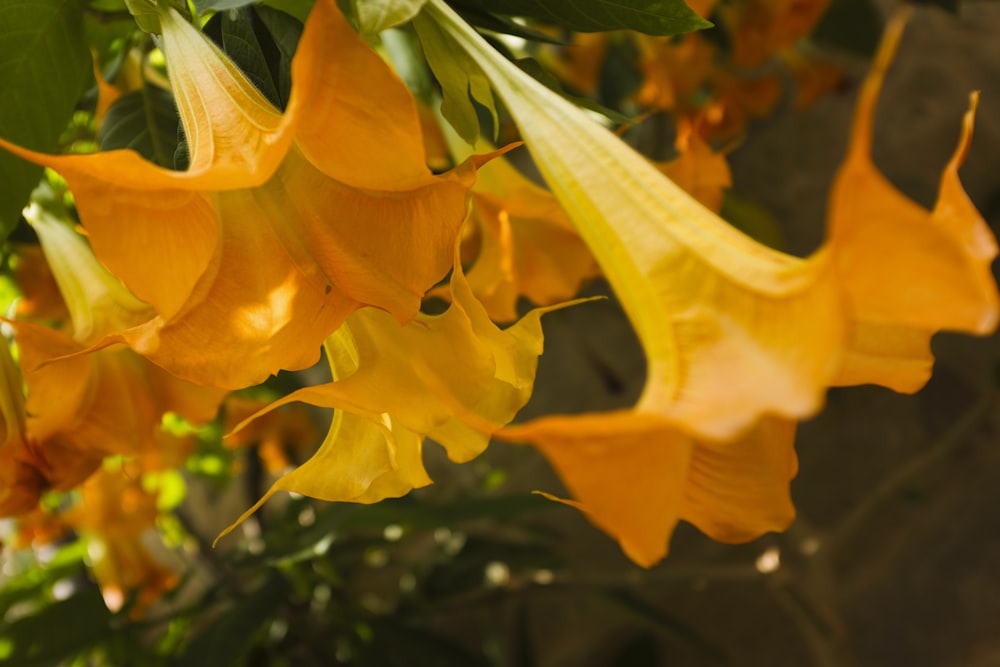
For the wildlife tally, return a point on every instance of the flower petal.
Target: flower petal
(907, 272)
(269, 241)
(362, 460)
(737, 491)
(236, 138)
(626, 470)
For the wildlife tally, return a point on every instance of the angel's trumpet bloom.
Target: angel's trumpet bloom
(739, 339)
(706, 301)
(283, 223)
(441, 376)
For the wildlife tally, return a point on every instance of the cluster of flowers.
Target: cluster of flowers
(765, 63)
(322, 227)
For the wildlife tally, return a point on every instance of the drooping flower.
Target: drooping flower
(440, 376)
(740, 340)
(705, 300)
(527, 247)
(83, 408)
(284, 223)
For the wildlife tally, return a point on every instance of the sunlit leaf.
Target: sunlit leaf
(374, 16)
(219, 5)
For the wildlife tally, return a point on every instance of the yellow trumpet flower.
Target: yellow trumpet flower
(740, 340)
(284, 223)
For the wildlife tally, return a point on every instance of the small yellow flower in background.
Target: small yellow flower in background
(740, 340)
(117, 516)
(284, 223)
(277, 435)
(526, 244)
(760, 28)
(702, 172)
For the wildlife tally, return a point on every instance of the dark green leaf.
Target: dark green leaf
(461, 81)
(285, 31)
(44, 67)
(82, 621)
(145, 121)
(297, 8)
(234, 32)
(226, 640)
(219, 5)
(261, 41)
(507, 26)
(653, 17)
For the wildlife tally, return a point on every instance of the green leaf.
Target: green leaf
(285, 31)
(226, 639)
(461, 80)
(44, 67)
(219, 5)
(261, 41)
(652, 17)
(374, 16)
(240, 41)
(147, 12)
(58, 631)
(298, 8)
(145, 121)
